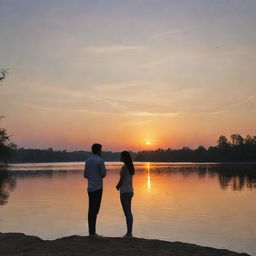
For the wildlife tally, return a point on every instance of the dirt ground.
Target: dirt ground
(19, 244)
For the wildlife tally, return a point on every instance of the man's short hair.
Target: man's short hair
(96, 147)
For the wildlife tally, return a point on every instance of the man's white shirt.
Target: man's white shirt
(94, 172)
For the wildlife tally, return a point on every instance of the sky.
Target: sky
(129, 74)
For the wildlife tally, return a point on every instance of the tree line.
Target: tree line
(23, 155)
(235, 149)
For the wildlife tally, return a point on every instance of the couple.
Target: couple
(94, 172)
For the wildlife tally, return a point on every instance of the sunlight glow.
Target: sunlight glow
(148, 174)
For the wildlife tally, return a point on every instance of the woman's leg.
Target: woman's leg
(126, 199)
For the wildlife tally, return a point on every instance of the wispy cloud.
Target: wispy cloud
(113, 49)
(154, 63)
(53, 108)
(117, 86)
(165, 33)
(139, 123)
(244, 101)
(60, 92)
(224, 108)
(137, 113)
(85, 110)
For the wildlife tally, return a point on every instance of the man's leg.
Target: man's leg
(94, 206)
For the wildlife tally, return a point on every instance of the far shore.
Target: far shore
(20, 244)
(116, 161)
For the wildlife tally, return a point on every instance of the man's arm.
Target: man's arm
(103, 170)
(85, 173)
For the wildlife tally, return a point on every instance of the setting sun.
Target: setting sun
(145, 108)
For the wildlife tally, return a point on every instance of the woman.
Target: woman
(126, 189)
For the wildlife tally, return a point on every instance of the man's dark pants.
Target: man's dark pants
(94, 206)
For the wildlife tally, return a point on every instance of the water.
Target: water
(207, 204)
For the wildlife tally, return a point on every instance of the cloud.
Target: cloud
(53, 108)
(154, 113)
(73, 96)
(166, 33)
(139, 123)
(130, 98)
(116, 86)
(84, 110)
(154, 63)
(113, 49)
(242, 102)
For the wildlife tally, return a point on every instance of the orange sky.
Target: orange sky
(80, 72)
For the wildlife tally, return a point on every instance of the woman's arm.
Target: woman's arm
(122, 174)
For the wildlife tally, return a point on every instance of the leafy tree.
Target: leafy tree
(248, 140)
(237, 139)
(3, 73)
(222, 142)
(201, 154)
(5, 146)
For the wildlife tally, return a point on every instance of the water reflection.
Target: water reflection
(235, 176)
(39, 173)
(148, 175)
(230, 176)
(173, 201)
(7, 184)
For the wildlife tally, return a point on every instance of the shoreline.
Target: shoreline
(117, 161)
(20, 244)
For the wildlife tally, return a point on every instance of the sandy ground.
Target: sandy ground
(19, 244)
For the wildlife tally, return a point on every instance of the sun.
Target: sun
(148, 142)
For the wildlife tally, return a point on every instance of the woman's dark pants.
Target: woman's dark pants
(126, 199)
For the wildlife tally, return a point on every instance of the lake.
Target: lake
(207, 204)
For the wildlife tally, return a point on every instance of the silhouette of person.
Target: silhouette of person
(94, 172)
(126, 190)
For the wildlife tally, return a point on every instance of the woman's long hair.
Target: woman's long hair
(126, 157)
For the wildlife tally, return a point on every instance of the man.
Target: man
(94, 172)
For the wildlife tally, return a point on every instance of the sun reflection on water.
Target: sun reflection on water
(148, 174)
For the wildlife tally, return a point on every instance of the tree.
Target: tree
(222, 142)
(237, 139)
(3, 73)
(248, 140)
(6, 147)
(201, 154)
